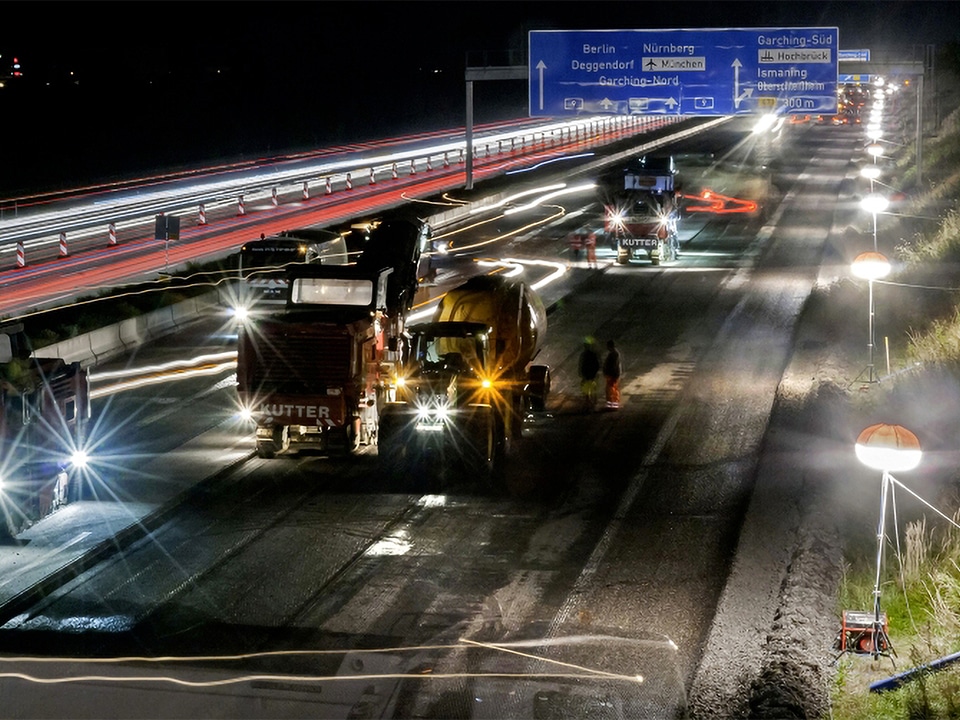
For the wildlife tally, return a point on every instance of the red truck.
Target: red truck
(312, 376)
(44, 412)
(641, 211)
(314, 373)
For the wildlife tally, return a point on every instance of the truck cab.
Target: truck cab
(312, 376)
(444, 414)
(466, 383)
(44, 412)
(641, 211)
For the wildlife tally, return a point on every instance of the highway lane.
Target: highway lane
(15, 207)
(273, 198)
(22, 217)
(464, 583)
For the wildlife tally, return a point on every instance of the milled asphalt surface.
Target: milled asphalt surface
(731, 658)
(80, 531)
(76, 534)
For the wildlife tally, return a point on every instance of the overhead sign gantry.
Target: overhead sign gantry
(683, 72)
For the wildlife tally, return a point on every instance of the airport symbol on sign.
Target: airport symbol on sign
(683, 72)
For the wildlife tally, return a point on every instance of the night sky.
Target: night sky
(113, 88)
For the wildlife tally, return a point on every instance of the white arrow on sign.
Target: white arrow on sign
(670, 102)
(541, 66)
(739, 97)
(606, 103)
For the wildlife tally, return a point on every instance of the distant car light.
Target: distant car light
(765, 123)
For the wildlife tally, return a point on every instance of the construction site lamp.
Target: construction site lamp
(890, 448)
(874, 203)
(870, 266)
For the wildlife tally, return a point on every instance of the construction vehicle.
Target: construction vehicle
(466, 383)
(313, 375)
(263, 263)
(641, 210)
(44, 412)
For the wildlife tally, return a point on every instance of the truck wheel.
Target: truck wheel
(351, 438)
(539, 387)
(497, 478)
(11, 521)
(392, 451)
(483, 439)
(267, 449)
(670, 251)
(6, 532)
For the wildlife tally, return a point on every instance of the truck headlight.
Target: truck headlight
(79, 459)
(432, 417)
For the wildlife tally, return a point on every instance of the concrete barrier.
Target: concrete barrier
(130, 333)
(73, 350)
(158, 323)
(104, 343)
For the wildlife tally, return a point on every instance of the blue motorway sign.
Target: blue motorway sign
(683, 72)
(853, 55)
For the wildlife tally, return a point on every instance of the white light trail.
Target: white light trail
(200, 366)
(517, 196)
(549, 162)
(550, 196)
(163, 367)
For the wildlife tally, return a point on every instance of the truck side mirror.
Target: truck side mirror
(6, 348)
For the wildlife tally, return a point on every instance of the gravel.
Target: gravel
(770, 652)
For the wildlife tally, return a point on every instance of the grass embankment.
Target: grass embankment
(921, 572)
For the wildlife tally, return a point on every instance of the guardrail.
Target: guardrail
(108, 342)
(25, 236)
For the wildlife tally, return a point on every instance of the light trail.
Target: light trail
(719, 204)
(199, 366)
(551, 196)
(47, 280)
(566, 671)
(516, 196)
(163, 367)
(550, 162)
